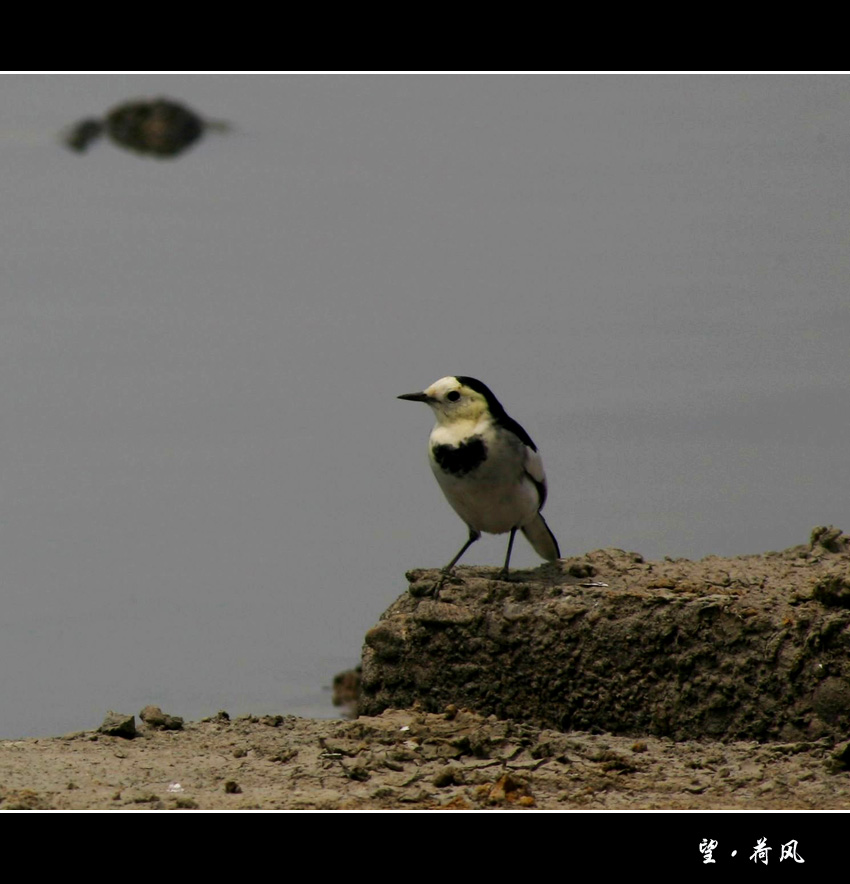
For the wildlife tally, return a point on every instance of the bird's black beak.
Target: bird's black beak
(415, 397)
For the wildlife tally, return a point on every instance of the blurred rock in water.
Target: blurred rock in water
(159, 127)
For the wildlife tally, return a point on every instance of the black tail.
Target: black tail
(542, 539)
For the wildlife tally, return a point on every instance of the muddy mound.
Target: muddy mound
(746, 648)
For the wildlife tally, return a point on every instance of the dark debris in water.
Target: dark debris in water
(159, 127)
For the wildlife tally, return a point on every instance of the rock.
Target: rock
(346, 689)
(154, 717)
(833, 590)
(159, 127)
(82, 134)
(839, 759)
(447, 776)
(117, 725)
(746, 648)
(509, 790)
(828, 538)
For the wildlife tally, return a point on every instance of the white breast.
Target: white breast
(497, 495)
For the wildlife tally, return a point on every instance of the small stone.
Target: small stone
(118, 725)
(446, 776)
(661, 583)
(509, 790)
(358, 773)
(828, 538)
(82, 134)
(154, 717)
(346, 688)
(839, 759)
(158, 127)
(833, 591)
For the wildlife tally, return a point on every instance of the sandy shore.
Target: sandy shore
(411, 760)
(766, 634)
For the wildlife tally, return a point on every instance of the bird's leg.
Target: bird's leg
(473, 536)
(504, 572)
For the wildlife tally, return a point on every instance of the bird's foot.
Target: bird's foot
(440, 583)
(426, 589)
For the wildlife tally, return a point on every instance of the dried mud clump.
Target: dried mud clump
(747, 648)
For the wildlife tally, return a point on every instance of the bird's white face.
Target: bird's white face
(453, 401)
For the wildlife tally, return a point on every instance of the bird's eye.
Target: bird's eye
(453, 396)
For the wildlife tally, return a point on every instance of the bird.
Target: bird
(487, 466)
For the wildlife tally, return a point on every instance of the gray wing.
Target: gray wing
(534, 470)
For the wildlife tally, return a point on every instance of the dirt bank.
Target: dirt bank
(747, 648)
(412, 760)
(719, 684)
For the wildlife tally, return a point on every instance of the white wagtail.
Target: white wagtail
(487, 465)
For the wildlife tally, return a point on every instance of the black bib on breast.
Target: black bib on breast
(461, 460)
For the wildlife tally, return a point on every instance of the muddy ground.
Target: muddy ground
(404, 760)
(760, 727)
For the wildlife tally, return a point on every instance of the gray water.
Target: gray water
(209, 489)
